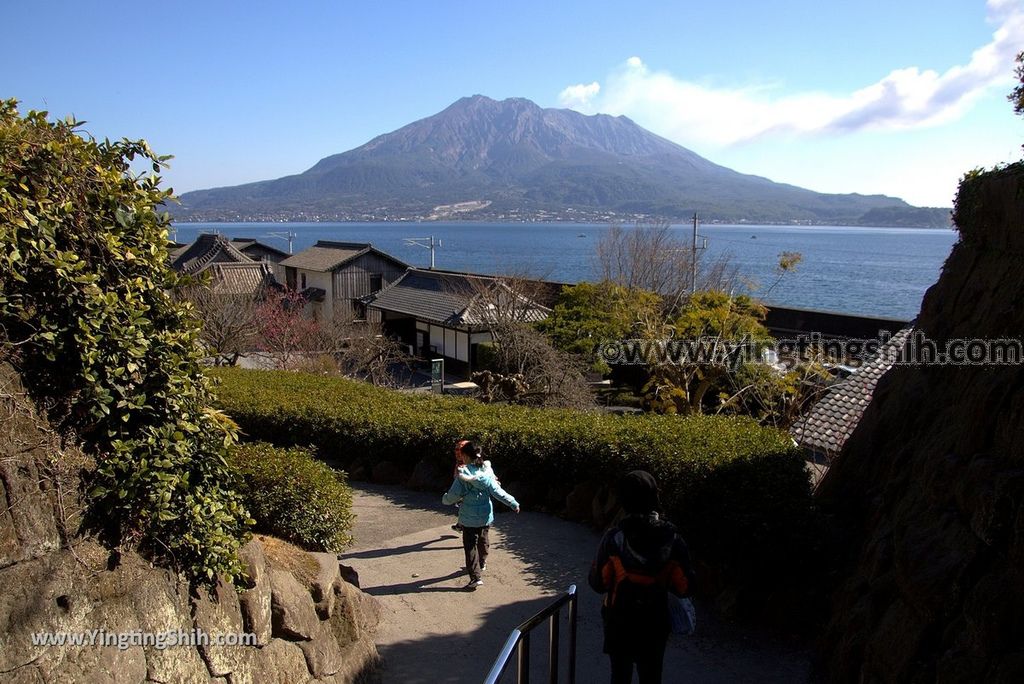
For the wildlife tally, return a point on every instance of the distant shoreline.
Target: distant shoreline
(869, 270)
(498, 222)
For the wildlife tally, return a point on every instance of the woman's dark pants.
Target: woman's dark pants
(649, 657)
(474, 542)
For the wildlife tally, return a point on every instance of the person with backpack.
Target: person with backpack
(473, 486)
(640, 560)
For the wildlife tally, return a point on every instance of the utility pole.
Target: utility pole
(693, 256)
(289, 236)
(426, 243)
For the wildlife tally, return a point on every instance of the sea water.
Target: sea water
(868, 271)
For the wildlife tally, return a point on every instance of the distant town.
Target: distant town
(484, 215)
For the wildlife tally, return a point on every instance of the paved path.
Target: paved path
(433, 631)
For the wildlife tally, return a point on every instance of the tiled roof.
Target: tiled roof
(830, 422)
(176, 249)
(325, 256)
(244, 244)
(241, 278)
(444, 297)
(207, 249)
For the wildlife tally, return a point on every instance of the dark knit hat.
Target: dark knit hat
(638, 492)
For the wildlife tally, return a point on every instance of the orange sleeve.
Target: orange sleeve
(677, 582)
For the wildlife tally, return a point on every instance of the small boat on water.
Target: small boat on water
(582, 235)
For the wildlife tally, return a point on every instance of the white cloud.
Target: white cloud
(906, 98)
(579, 96)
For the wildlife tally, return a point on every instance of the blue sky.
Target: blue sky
(886, 97)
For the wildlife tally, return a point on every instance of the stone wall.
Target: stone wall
(931, 483)
(318, 629)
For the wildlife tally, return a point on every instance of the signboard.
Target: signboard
(437, 376)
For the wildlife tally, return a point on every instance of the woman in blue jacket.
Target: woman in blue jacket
(473, 487)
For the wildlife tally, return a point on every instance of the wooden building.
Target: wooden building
(259, 251)
(443, 314)
(336, 276)
(208, 249)
(231, 271)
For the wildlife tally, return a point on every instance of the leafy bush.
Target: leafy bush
(293, 496)
(738, 489)
(87, 299)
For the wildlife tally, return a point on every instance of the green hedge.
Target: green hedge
(738, 490)
(293, 496)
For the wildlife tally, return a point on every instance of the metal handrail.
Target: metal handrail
(520, 638)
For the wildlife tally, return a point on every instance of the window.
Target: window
(303, 275)
(376, 282)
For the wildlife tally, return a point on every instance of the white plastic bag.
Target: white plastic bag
(682, 616)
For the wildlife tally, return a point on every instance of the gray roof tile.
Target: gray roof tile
(208, 249)
(442, 297)
(830, 422)
(247, 278)
(326, 255)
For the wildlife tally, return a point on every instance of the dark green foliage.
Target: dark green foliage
(87, 299)
(1016, 95)
(978, 210)
(738, 490)
(295, 497)
(589, 314)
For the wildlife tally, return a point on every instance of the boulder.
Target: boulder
(322, 653)
(29, 674)
(219, 614)
(386, 472)
(161, 607)
(28, 527)
(115, 656)
(255, 600)
(429, 476)
(359, 609)
(360, 470)
(604, 507)
(326, 586)
(528, 495)
(41, 595)
(554, 498)
(579, 505)
(279, 662)
(293, 616)
(358, 659)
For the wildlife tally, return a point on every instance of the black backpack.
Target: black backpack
(640, 594)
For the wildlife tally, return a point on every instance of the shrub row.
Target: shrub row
(738, 490)
(293, 496)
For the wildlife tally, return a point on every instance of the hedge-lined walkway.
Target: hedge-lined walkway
(433, 631)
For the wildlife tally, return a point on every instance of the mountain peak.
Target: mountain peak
(519, 160)
(482, 102)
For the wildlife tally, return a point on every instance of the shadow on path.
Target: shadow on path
(399, 550)
(435, 631)
(417, 587)
(467, 656)
(406, 498)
